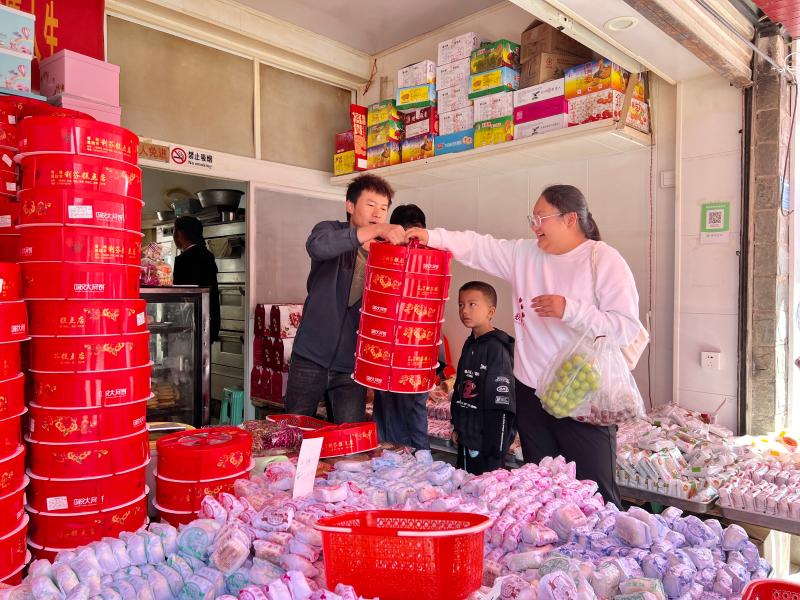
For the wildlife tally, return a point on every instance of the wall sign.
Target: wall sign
(156, 152)
(715, 223)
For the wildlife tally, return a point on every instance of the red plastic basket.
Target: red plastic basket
(771, 589)
(396, 555)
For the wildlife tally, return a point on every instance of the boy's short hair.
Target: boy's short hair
(191, 227)
(481, 286)
(408, 215)
(369, 182)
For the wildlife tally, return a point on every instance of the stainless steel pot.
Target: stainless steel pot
(221, 198)
(165, 215)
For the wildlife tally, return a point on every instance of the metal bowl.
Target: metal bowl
(221, 198)
(165, 215)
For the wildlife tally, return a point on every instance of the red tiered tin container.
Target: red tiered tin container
(90, 459)
(10, 282)
(200, 455)
(87, 494)
(53, 206)
(12, 471)
(74, 243)
(349, 438)
(183, 496)
(13, 553)
(9, 247)
(64, 135)
(85, 424)
(176, 518)
(13, 321)
(91, 388)
(10, 360)
(69, 530)
(90, 352)
(81, 174)
(401, 317)
(9, 214)
(87, 317)
(58, 281)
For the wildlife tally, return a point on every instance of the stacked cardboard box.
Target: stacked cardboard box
(351, 146)
(539, 109)
(596, 91)
(275, 329)
(384, 134)
(456, 116)
(416, 101)
(546, 53)
(494, 75)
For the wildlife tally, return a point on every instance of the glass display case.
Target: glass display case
(178, 320)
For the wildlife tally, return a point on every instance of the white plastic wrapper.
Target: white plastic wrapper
(590, 382)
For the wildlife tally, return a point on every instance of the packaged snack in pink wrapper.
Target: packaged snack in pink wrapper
(538, 535)
(678, 579)
(557, 586)
(566, 518)
(605, 579)
(733, 538)
(633, 531)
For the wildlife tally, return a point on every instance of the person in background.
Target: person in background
(403, 418)
(323, 356)
(483, 404)
(555, 298)
(196, 265)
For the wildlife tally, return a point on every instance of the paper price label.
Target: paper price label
(7, 160)
(80, 211)
(11, 187)
(306, 471)
(5, 220)
(57, 503)
(140, 319)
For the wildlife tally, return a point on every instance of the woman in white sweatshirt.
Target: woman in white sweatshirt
(554, 298)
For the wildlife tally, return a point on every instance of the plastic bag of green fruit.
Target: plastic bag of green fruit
(589, 381)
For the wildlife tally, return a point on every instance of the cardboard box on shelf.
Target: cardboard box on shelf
(546, 67)
(15, 70)
(388, 131)
(537, 93)
(417, 148)
(344, 142)
(607, 104)
(379, 112)
(494, 106)
(541, 110)
(344, 163)
(540, 37)
(17, 30)
(452, 75)
(420, 121)
(358, 118)
(384, 155)
(457, 141)
(453, 98)
(502, 53)
(421, 73)
(458, 48)
(492, 82)
(457, 120)
(418, 96)
(531, 128)
(597, 76)
(494, 131)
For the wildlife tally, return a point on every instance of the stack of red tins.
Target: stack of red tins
(401, 317)
(79, 222)
(194, 464)
(13, 520)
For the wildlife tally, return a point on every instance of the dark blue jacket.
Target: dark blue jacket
(327, 333)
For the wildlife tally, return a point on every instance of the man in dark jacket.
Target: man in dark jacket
(483, 406)
(195, 265)
(323, 355)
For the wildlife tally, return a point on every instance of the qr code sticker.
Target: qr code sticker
(715, 219)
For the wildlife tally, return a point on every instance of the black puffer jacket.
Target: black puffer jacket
(483, 405)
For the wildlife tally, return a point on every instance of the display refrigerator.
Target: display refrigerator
(180, 330)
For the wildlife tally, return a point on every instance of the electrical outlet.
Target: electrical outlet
(710, 361)
(667, 179)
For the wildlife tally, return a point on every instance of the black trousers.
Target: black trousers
(309, 384)
(480, 464)
(591, 447)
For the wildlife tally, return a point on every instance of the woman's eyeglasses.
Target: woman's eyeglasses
(535, 221)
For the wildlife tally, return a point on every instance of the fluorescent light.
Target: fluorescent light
(621, 23)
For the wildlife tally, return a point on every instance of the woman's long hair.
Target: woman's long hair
(567, 199)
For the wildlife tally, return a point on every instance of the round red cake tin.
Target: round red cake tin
(183, 496)
(10, 282)
(89, 459)
(393, 379)
(13, 321)
(398, 355)
(209, 453)
(12, 396)
(409, 285)
(54, 206)
(90, 352)
(77, 136)
(60, 280)
(12, 470)
(91, 388)
(87, 317)
(85, 494)
(413, 258)
(85, 424)
(60, 530)
(13, 550)
(72, 243)
(412, 310)
(82, 174)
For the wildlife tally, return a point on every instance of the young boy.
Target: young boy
(403, 418)
(483, 405)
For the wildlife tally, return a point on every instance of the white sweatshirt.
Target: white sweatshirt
(532, 273)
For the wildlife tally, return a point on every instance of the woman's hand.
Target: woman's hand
(419, 233)
(549, 306)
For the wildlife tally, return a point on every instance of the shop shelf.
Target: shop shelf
(603, 138)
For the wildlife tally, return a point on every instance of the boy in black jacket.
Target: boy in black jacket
(483, 406)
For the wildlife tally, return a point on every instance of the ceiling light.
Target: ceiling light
(621, 23)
